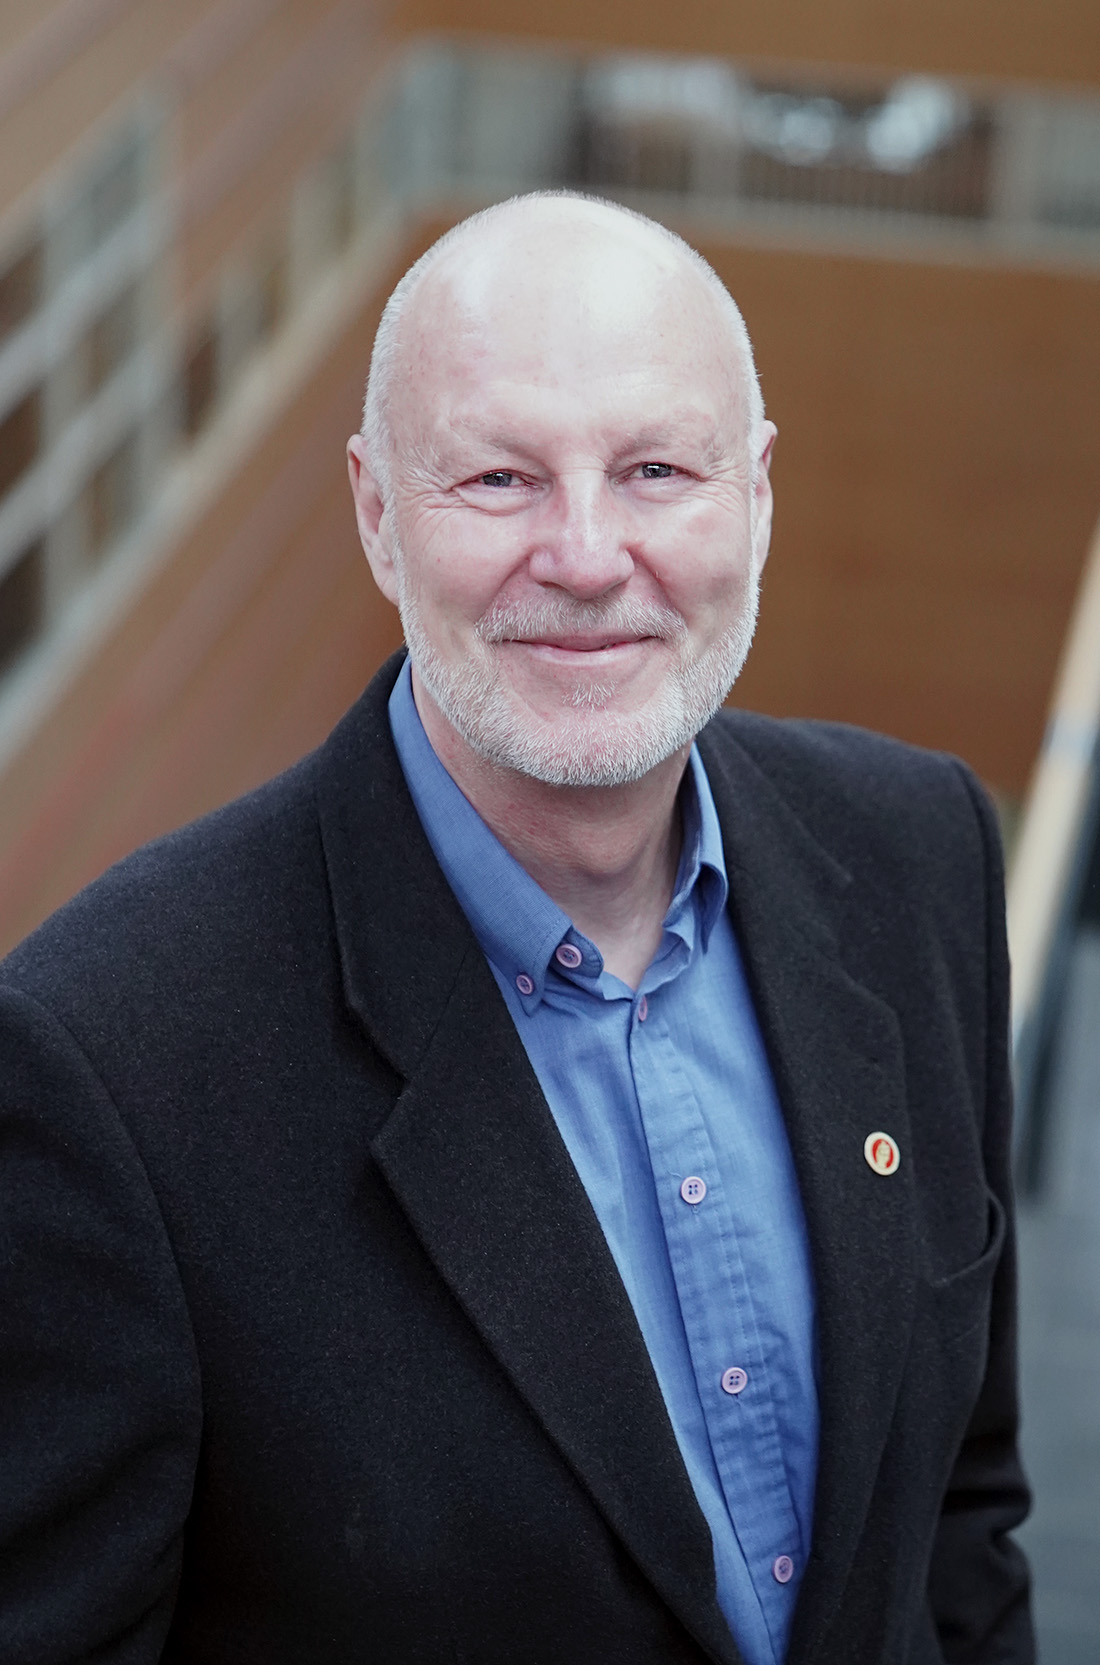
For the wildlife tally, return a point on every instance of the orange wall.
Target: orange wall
(938, 478)
(1031, 40)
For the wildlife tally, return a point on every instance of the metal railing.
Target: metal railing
(803, 152)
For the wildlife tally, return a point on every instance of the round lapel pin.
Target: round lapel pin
(882, 1153)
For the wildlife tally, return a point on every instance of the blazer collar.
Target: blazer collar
(472, 1153)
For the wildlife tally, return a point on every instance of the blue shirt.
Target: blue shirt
(666, 1103)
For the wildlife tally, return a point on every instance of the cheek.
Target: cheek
(713, 567)
(458, 570)
(452, 591)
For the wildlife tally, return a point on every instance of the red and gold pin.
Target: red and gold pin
(882, 1153)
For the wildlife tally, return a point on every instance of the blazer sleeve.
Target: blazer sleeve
(978, 1581)
(100, 1409)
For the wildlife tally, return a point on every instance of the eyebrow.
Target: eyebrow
(700, 431)
(654, 436)
(669, 428)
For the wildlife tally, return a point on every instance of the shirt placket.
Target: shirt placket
(728, 1359)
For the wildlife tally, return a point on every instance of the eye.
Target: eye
(656, 471)
(496, 477)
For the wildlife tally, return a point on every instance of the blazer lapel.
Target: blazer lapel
(472, 1154)
(835, 1050)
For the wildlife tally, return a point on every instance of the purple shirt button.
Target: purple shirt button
(734, 1379)
(782, 1569)
(524, 984)
(643, 1009)
(694, 1189)
(569, 956)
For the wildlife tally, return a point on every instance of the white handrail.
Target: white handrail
(1057, 803)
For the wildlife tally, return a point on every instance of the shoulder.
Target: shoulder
(822, 759)
(228, 897)
(202, 897)
(907, 850)
(909, 835)
(856, 790)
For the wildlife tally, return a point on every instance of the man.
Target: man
(523, 1187)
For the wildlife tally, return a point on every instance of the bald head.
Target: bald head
(549, 266)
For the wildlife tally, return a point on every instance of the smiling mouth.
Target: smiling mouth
(579, 644)
(556, 626)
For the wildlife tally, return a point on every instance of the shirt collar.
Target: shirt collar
(518, 926)
(701, 880)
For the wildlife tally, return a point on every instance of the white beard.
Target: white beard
(590, 744)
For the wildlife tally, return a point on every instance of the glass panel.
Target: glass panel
(200, 380)
(272, 293)
(115, 193)
(111, 496)
(1069, 192)
(342, 170)
(110, 340)
(20, 439)
(255, 310)
(20, 288)
(21, 590)
(330, 206)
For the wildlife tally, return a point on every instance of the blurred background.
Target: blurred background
(202, 209)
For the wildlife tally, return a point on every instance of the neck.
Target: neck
(606, 855)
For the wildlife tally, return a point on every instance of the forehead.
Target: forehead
(564, 311)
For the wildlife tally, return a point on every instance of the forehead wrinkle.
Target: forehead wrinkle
(689, 425)
(690, 421)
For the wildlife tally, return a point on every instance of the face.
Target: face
(575, 534)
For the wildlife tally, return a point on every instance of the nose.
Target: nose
(582, 544)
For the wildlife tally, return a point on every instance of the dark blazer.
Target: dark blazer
(314, 1352)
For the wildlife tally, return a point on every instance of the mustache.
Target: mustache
(563, 615)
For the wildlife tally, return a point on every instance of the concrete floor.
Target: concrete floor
(1060, 1337)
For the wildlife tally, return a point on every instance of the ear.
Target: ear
(372, 518)
(763, 494)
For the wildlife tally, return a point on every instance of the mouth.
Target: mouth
(583, 644)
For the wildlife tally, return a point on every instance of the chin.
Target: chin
(576, 755)
(587, 742)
